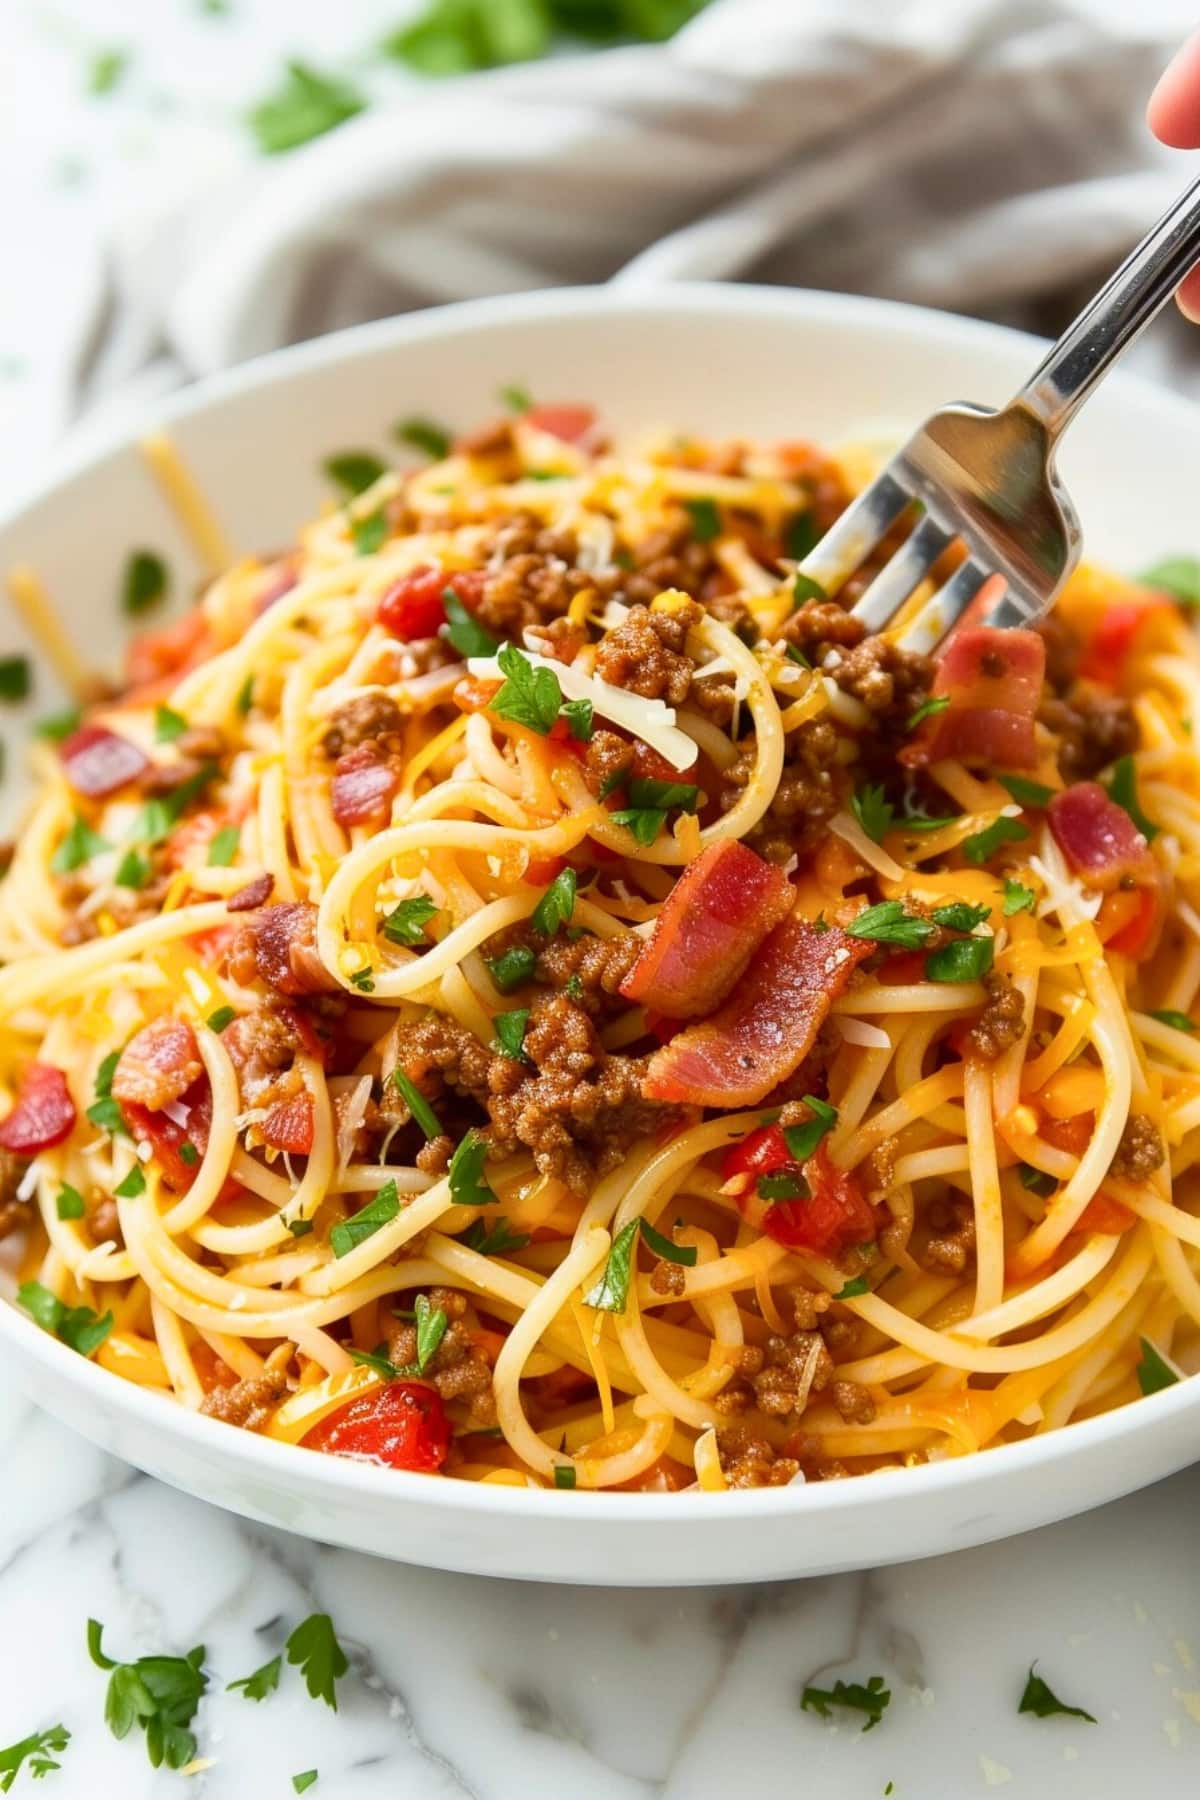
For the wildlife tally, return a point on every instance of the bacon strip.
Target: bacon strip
(363, 786)
(44, 1113)
(1099, 839)
(717, 915)
(158, 1065)
(289, 1125)
(767, 1028)
(98, 762)
(993, 682)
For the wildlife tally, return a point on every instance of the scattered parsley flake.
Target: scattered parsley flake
(852, 1289)
(70, 1203)
(644, 823)
(106, 71)
(663, 795)
(959, 915)
(38, 1751)
(55, 726)
(800, 536)
(1025, 792)
(133, 1184)
(512, 969)
(929, 709)
(406, 923)
(493, 1239)
(611, 1291)
(417, 1104)
(305, 106)
(873, 811)
(1178, 1021)
(463, 630)
(16, 681)
(564, 1475)
(802, 1139)
(580, 722)
(354, 471)
(363, 980)
(467, 1184)
(224, 1015)
(223, 847)
(376, 1360)
(348, 1233)
(299, 1227)
(1154, 1372)
(530, 696)
(79, 844)
(245, 697)
(168, 725)
(158, 1693)
(783, 1187)
(556, 905)
(805, 588)
(302, 1782)
(431, 1324)
(872, 1699)
(964, 959)
(188, 1154)
(888, 923)
(262, 1682)
(1178, 576)
(984, 844)
(510, 1033)
(313, 1646)
(1017, 898)
(144, 584)
(665, 1248)
(518, 399)
(422, 434)
(1040, 1700)
(1122, 788)
(133, 871)
(1036, 1180)
(705, 515)
(369, 534)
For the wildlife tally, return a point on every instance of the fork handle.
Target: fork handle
(1110, 321)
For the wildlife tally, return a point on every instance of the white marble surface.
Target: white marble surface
(465, 1687)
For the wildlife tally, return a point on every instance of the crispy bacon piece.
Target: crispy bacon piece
(716, 916)
(767, 1028)
(98, 761)
(44, 1113)
(1099, 839)
(284, 950)
(993, 682)
(155, 659)
(413, 606)
(364, 786)
(158, 1065)
(167, 1139)
(289, 1125)
(573, 424)
(255, 893)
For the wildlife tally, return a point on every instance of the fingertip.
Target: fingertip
(1173, 110)
(1188, 297)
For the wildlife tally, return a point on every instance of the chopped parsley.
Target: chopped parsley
(578, 714)
(510, 1033)
(800, 536)
(133, 871)
(144, 583)
(224, 1015)
(38, 1751)
(1178, 576)
(70, 1204)
(422, 434)
(158, 818)
(959, 915)
(1036, 1180)
(406, 923)
(369, 534)
(872, 1699)
(223, 847)
(354, 471)
(349, 1233)
(611, 1292)
(1025, 792)
(190, 1156)
(133, 1184)
(494, 1239)
(852, 1289)
(644, 823)
(705, 515)
(158, 1693)
(518, 399)
(665, 1248)
(79, 844)
(78, 1327)
(530, 696)
(564, 1475)
(306, 105)
(888, 923)
(467, 1184)
(314, 1648)
(964, 959)
(55, 726)
(1178, 1021)
(783, 1187)
(664, 795)
(262, 1682)
(463, 630)
(984, 844)
(106, 70)
(929, 709)
(1123, 789)
(556, 905)
(302, 1782)
(363, 980)
(802, 1139)
(1154, 1372)
(417, 1104)
(431, 1324)
(1043, 1702)
(16, 681)
(1018, 898)
(245, 697)
(299, 1227)
(376, 1360)
(512, 969)
(805, 588)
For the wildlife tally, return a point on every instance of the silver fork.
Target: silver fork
(986, 478)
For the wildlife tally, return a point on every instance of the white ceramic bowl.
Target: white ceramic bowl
(762, 362)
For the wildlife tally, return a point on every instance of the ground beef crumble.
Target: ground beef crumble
(247, 1403)
(811, 789)
(14, 1213)
(645, 654)
(1001, 1022)
(950, 1248)
(1140, 1151)
(457, 1368)
(751, 1462)
(1092, 729)
(367, 719)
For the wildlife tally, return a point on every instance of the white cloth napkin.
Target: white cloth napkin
(979, 155)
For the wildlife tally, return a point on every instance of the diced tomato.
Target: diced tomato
(213, 1371)
(834, 1215)
(413, 606)
(767, 1026)
(363, 786)
(289, 1125)
(402, 1426)
(167, 1139)
(1112, 642)
(1128, 921)
(1099, 839)
(154, 656)
(1073, 1134)
(540, 871)
(762, 1152)
(191, 836)
(98, 761)
(1105, 1215)
(570, 423)
(43, 1115)
(714, 919)
(993, 682)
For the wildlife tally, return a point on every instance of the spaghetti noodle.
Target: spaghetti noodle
(519, 986)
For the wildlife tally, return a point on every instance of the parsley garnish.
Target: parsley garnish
(133, 871)
(106, 70)
(888, 923)
(69, 1204)
(361, 1225)
(1044, 1703)
(224, 1015)
(611, 1291)
(306, 105)
(417, 1104)
(262, 1682)
(354, 471)
(158, 818)
(299, 1227)
(518, 399)
(431, 1329)
(363, 980)
(304, 1780)
(1123, 789)
(783, 1187)
(1178, 1021)
(663, 795)
(564, 1475)
(79, 845)
(805, 588)
(133, 1184)
(664, 1247)
(189, 1155)
(245, 697)
(313, 1646)
(513, 969)
(1026, 793)
(556, 905)
(510, 1033)
(55, 726)
(530, 697)
(800, 536)
(16, 680)
(1036, 1180)
(872, 1699)
(802, 1139)
(493, 1239)
(1017, 898)
(959, 915)
(375, 1359)
(467, 1184)
(929, 709)
(369, 534)
(578, 714)
(644, 823)
(984, 844)
(965, 959)
(144, 584)
(38, 1749)
(424, 435)
(1154, 1372)
(797, 656)
(406, 923)
(852, 1289)
(76, 1326)
(463, 630)
(706, 519)
(223, 847)
(159, 1693)
(1178, 576)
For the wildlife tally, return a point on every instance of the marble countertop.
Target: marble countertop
(461, 1687)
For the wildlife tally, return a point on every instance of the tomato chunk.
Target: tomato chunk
(173, 1144)
(1115, 637)
(402, 1426)
(833, 1214)
(1105, 1215)
(570, 423)
(44, 1113)
(413, 606)
(154, 658)
(289, 1125)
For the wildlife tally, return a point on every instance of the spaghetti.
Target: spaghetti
(520, 986)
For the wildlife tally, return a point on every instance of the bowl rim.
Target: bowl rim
(280, 1462)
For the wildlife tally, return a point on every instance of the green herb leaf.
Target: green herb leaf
(69, 1204)
(245, 697)
(802, 1139)
(133, 1184)
(1179, 1021)
(422, 434)
(530, 696)
(223, 847)
(852, 1289)
(1036, 1180)
(1154, 1372)
(510, 1032)
(706, 519)
(144, 584)
(406, 923)
(800, 536)
(1178, 576)
(556, 905)
(467, 1184)
(39, 1750)
(363, 980)
(873, 811)
(369, 534)
(304, 1780)
(106, 1115)
(805, 588)
(349, 1233)
(306, 105)
(463, 630)
(888, 923)
(133, 871)
(189, 1155)
(564, 1475)
(665, 1248)
(159, 1693)
(797, 656)
(354, 471)
(512, 969)
(1025, 792)
(313, 1646)
(929, 709)
(984, 844)
(517, 399)
(78, 1327)
(224, 1015)
(872, 1699)
(106, 70)
(1017, 898)
(663, 795)
(578, 714)
(611, 1292)
(960, 916)
(158, 818)
(55, 726)
(1123, 789)
(1044, 1703)
(644, 823)
(262, 1682)
(168, 725)
(965, 959)
(375, 1359)
(783, 1187)
(417, 1105)
(493, 1238)
(16, 681)
(78, 846)
(299, 1227)
(431, 1329)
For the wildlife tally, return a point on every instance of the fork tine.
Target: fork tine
(898, 577)
(850, 540)
(945, 608)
